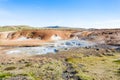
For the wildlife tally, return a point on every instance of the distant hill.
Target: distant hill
(56, 27)
(14, 28)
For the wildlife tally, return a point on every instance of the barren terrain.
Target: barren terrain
(59, 54)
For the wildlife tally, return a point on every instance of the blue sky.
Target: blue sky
(72, 13)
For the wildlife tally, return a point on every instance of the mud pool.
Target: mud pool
(54, 47)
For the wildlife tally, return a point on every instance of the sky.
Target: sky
(68, 13)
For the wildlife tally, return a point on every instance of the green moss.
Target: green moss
(85, 77)
(117, 61)
(118, 72)
(28, 64)
(33, 76)
(5, 75)
(96, 67)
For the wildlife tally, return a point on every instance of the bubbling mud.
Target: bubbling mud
(50, 47)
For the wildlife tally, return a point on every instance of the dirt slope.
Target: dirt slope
(38, 37)
(32, 37)
(103, 36)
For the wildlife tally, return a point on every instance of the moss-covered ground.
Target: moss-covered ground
(52, 66)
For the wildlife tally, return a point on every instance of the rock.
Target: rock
(108, 54)
(10, 68)
(10, 62)
(97, 49)
(55, 50)
(118, 49)
(76, 78)
(70, 72)
(81, 65)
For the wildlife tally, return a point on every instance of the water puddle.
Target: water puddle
(50, 47)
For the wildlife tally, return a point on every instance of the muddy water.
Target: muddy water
(50, 47)
(54, 47)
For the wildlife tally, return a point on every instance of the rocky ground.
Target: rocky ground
(100, 36)
(97, 62)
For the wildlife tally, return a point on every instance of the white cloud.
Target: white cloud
(12, 18)
(104, 24)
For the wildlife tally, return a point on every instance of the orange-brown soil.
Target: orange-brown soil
(39, 37)
(32, 37)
